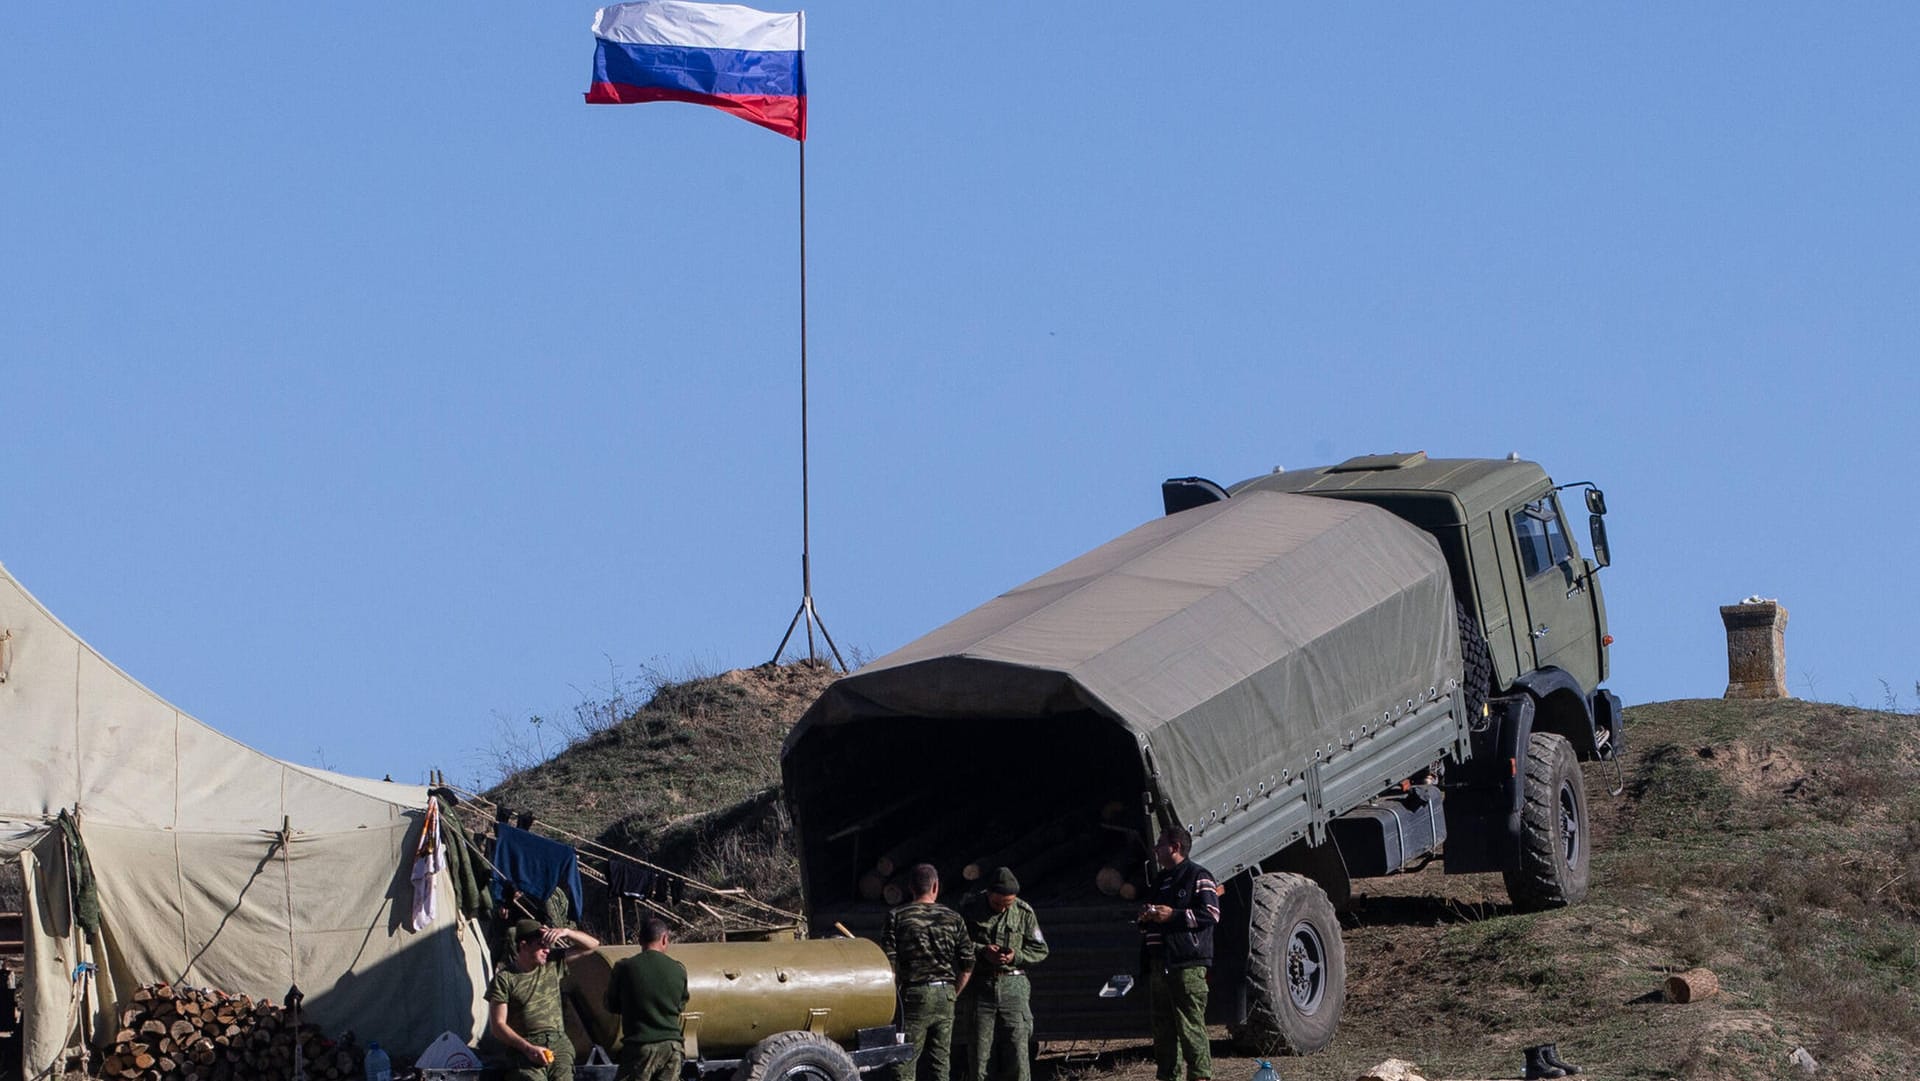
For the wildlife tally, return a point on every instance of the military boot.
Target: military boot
(1538, 1066)
(1550, 1054)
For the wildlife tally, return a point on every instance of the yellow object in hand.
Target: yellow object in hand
(546, 1053)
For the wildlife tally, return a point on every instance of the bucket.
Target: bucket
(598, 1066)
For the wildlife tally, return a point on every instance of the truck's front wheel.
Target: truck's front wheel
(797, 1056)
(1553, 828)
(1296, 968)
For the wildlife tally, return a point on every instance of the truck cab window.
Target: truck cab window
(1539, 535)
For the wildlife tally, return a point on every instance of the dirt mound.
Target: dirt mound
(688, 780)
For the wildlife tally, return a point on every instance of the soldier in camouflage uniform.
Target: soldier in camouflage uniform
(932, 958)
(1176, 938)
(524, 1001)
(1006, 934)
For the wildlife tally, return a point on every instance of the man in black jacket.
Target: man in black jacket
(1176, 928)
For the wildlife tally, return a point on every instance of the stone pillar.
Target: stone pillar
(1756, 648)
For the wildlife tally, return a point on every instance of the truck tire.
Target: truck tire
(797, 1056)
(1296, 969)
(1476, 666)
(1553, 828)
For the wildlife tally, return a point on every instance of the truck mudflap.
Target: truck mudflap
(1485, 795)
(1609, 723)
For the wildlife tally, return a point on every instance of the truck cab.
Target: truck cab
(1517, 568)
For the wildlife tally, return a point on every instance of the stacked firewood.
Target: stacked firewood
(172, 1033)
(1038, 855)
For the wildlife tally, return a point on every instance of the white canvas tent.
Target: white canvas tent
(217, 865)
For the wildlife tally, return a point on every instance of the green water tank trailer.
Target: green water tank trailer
(823, 1006)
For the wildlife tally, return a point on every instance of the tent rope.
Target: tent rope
(71, 1027)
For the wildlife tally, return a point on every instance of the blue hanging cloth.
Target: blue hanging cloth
(534, 865)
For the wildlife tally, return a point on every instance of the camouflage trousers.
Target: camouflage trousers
(561, 1069)
(926, 1012)
(657, 1061)
(1001, 1012)
(1180, 1025)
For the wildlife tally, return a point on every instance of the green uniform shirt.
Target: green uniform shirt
(927, 943)
(532, 998)
(648, 990)
(1017, 929)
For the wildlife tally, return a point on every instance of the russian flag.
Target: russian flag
(734, 58)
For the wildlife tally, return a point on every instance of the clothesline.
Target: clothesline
(605, 852)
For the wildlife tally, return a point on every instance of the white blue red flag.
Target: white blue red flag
(746, 62)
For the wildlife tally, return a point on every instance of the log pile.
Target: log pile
(1083, 854)
(172, 1033)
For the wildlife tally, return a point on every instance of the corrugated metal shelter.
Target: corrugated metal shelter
(216, 865)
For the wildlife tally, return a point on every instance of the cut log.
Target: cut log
(1692, 985)
(1022, 851)
(916, 847)
(897, 891)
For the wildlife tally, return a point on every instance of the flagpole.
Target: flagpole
(806, 610)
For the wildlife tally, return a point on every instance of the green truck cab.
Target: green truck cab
(1516, 567)
(1323, 675)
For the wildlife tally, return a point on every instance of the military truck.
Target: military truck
(1323, 674)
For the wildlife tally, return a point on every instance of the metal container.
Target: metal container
(743, 992)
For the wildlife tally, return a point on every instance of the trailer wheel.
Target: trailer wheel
(1296, 968)
(797, 1056)
(1553, 828)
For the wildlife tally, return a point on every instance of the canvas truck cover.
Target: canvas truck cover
(1243, 644)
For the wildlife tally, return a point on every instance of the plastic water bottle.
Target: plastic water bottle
(379, 1067)
(1265, 1072)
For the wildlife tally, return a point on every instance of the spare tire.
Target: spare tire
(1296, 968)
(797, 1056)
(1476, 666)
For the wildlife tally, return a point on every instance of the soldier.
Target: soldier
(1176, 930)
(524, 1000)
(1007, 936)
(932, 958)
(649, 990)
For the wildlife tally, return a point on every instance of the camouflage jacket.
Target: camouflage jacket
(1017, 929)
(927, 943)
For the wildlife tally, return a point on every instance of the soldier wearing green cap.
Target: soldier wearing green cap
(1006, 935)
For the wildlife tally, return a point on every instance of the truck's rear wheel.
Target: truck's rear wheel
(1553, 828)
(1296, 969)
(797, 1056)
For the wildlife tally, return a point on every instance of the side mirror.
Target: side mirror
(1596, 502)
(1597, 529)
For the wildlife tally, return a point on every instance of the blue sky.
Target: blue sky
(363, 388)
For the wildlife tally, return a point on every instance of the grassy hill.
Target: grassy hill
(689, 780)
(1777, 843)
